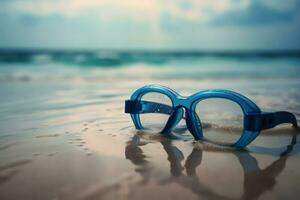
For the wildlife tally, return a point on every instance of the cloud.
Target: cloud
(29, 20)
(257, 14)
(196, 10)
(221, 12)
(190, 9)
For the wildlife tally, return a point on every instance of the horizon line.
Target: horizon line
(162, 50)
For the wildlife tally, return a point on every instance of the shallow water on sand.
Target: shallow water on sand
(66, 137)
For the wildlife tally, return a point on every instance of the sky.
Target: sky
(150, 24)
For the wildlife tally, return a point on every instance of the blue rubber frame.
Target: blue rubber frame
(254, 119)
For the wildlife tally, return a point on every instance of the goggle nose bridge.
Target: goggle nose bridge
(182, 101)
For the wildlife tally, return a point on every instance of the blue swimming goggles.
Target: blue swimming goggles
(218, 116)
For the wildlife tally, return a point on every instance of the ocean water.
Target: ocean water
(64, 134)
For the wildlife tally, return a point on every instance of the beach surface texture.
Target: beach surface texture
(64, 133)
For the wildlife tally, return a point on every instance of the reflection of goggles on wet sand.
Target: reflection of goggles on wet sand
(219, 116)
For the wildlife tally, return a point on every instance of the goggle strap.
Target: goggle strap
(133, 106)
(266, 120)
(136, 106)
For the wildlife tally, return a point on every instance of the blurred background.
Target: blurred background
(57, 39)
(155, 24)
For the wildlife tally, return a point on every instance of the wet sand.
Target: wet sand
(73, 141)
